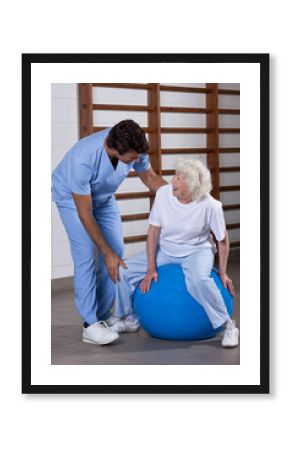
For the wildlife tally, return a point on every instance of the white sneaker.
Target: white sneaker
(124, 325)
(231, 336)
(99, 333)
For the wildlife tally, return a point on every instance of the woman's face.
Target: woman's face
(180, 188)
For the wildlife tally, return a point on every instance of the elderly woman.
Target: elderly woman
(182, 221)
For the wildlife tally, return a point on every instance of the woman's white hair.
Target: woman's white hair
(197, 176)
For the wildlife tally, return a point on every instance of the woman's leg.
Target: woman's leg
(197, 269)
(130, 278)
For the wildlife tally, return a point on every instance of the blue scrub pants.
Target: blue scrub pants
(196, 268)
(94, 290)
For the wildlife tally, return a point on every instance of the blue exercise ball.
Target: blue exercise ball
(168, 311)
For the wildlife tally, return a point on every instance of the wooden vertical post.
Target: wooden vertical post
(154, 119)
(213, 138)
(86, 109)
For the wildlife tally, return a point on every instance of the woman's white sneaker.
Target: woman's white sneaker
(231, 336)
(126, 325)
(99, 333)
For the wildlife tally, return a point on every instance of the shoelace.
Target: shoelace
(103, 324)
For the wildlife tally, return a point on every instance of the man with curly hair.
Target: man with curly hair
(83, 188)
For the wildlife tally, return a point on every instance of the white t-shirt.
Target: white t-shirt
(186, 227)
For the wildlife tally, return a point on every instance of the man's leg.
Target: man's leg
(109, 220)
(83, 254)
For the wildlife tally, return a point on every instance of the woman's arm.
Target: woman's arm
(151, 247)
(223, 254)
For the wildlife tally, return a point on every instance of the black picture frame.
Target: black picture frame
(263, 61)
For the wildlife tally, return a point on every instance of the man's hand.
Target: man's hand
(146, 282)
(112, 263)
(227, 282)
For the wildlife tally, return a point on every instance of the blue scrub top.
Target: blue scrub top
(87, 169)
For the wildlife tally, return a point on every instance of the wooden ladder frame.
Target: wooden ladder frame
(154, 131)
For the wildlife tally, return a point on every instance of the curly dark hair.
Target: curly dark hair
(127, 135)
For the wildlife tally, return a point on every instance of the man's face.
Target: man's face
(130, 156)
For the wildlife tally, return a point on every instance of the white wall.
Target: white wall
(65, 132)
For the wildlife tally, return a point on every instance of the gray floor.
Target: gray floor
(132, 348)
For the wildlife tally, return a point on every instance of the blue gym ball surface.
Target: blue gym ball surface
(168, 311)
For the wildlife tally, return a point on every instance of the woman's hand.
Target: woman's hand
(146, 282)
(227, 282)
(112, 263)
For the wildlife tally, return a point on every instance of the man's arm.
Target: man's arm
(84, 209)
(151, 179)
(223, 254)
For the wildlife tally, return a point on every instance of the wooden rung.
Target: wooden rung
(232, 206)
(165, 172)
(134, 174)
(129, 217)
(134, 195)
(185, 151)
(230, 169)
(176, 109)
(228, 130)
(229, 188)
(124, 85)
(229, 91)
(109, 107)
(169, 172)
(185, 130)
(145, 129)
(191, 90)
(229, 149)
(232, 226)
(132, 239)
(228, 111)
(143, 237)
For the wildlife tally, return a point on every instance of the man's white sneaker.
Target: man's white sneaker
(125, 325)
(99, 333)
(231, 336)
